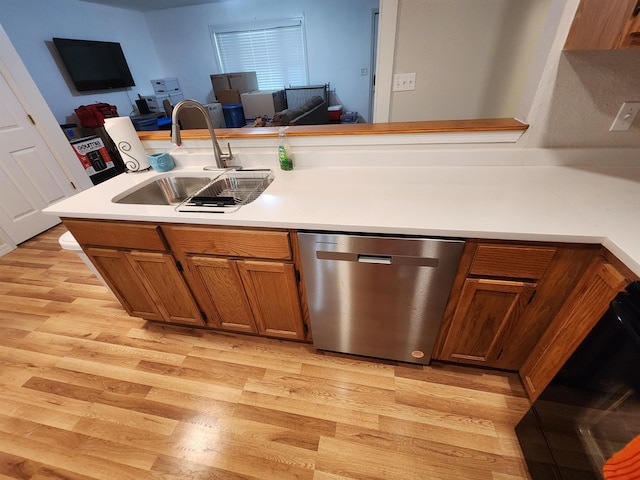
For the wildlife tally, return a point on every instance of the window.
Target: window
(275, 51)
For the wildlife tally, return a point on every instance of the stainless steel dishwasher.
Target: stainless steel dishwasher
(377, 296)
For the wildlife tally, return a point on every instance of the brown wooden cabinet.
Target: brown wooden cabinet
(585, 305)
(504, 297)
(133, 260)
(272, 292)
(245, 279)
(485, 309)
(121, 277)
(225, 299)
(605, 25)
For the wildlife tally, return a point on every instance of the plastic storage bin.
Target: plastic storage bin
(334, 113)
(234, 115)
(68, 242)
(145, 123)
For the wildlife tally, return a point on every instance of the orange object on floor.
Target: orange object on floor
(625, 464)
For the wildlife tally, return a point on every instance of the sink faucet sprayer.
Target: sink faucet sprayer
(221, 158)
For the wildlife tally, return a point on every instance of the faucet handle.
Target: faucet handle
(228, 156)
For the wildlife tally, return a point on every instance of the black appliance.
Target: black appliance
(94, 65)
(591, 409)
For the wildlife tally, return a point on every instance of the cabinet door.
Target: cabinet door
(582, 310)
(273, 294)
(603, 25)
(163, 281)
(123, 280)
(484, 310)
(226, 303)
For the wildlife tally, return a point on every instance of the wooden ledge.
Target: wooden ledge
(435, 126)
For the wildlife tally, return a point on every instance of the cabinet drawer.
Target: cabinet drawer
(116, 234)
(511, 261)
(266, 244)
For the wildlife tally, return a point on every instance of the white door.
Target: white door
(30, 177)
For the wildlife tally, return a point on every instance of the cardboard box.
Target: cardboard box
(220, 81)
(190, 118)
(165, 85)
(92, 154)
(265, 102)
(228, 97)
(243, 81)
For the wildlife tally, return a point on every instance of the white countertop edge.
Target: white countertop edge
(622, 255)
(500, 203)
(226, 220)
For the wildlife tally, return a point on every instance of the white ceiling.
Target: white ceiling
(149, 5)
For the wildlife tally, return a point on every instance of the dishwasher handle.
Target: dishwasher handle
(378, 259)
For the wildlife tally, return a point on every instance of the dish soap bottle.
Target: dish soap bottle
(284, 155)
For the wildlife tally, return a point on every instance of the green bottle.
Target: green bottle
(284, 155)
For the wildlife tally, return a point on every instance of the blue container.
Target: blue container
(234, 115)
(145, 124)
(161, 162)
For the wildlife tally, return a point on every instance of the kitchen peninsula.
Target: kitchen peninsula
(530, 207)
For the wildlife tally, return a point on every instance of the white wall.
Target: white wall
(338, 35)
(588, 91)
(472, 59)
(29, 24)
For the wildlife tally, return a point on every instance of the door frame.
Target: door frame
(375, 17)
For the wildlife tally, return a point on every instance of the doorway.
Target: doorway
(372, 69)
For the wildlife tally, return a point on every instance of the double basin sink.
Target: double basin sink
(213, 192)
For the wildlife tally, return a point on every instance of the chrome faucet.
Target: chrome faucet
(221, 158)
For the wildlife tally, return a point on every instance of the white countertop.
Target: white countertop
(537, 203)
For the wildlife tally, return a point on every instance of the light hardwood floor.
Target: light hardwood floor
(88, 392)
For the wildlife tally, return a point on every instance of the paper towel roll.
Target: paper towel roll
(121, 131)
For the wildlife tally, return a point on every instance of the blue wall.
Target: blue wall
(176, 43)
(32, 24)
(338, 34)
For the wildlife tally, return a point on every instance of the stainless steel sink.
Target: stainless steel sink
(217, 193)
(170, 190)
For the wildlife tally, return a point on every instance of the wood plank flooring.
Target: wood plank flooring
(87, 392)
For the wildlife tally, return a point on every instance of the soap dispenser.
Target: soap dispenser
(284, 153)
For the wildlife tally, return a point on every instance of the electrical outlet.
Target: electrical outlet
(626, 116)
(404, 81)
(364, 72)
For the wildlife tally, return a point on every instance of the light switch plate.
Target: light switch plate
(404, 81)
(626, 116)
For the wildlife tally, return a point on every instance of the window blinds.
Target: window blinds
(275, 51)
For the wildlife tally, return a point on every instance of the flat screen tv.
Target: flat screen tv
(94, 65)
